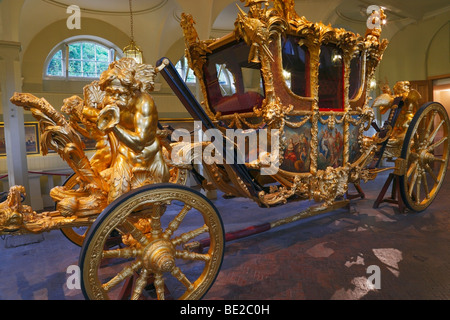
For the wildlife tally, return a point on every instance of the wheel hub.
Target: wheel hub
(425, 157)
(159, 256)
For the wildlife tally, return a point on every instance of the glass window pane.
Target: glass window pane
(75, 51)
(186, 73)
(190, 76)
(101, 67)
(55, 67)
(58, 55)
(102, 53)
(75, 69)
(89, 69)
(295, 70)
(226, 81)
(355, 77)
(331, 84)
(88, 51)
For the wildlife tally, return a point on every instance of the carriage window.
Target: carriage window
(296, 67)
(331, 90)
(226, 80)
(355, 76)
(233, 84)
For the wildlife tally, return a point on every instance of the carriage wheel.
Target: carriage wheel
(426, 151)
(158, 223)
(76, 234)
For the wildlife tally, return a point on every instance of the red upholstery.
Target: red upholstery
(239, 103)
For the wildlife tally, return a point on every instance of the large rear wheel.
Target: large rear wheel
(426, 151)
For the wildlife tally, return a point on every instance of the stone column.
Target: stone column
(13, 117)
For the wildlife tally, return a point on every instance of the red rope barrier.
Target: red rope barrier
(42, 173)
(50, 174)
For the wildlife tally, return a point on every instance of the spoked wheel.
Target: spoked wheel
(158, 224)
(76, 234)
(426, 151)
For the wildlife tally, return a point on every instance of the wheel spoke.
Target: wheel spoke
(155, 222)
(415, 141)
(128, 227)
(411, 169)
(126, 272)
(430, 123)
(425, 185)
(412, 183)
(159, 286)
(419, 182)
(431, 173)
(434, 158)
(187, 255)
(437, 144)
(180, 276)
(433, 135)
(140, 284)
(175, 224)
(421, 133)
(185, 237)
(125, 253)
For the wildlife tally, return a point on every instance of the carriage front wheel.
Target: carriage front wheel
(158, 224)
(426, 152)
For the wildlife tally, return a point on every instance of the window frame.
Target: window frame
(114, 53)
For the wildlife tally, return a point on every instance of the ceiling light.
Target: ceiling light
(133, 50)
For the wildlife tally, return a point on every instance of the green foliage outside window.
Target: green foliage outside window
(85, 60)
(55, 67)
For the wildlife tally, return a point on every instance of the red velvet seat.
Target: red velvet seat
(239, 103)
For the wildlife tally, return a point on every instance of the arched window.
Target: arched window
(80, 57)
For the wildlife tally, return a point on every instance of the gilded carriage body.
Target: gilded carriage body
(308, 81)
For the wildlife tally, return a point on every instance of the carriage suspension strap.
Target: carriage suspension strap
(179, 87)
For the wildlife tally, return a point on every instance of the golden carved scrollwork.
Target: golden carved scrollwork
(195, 52)
(329, 184)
